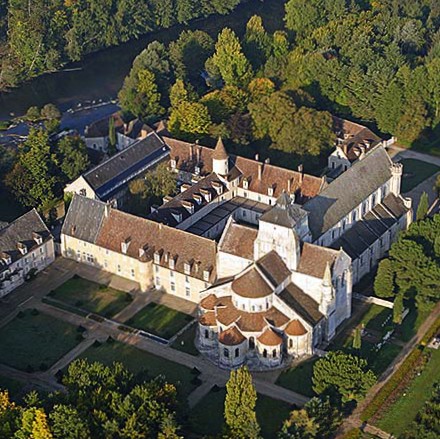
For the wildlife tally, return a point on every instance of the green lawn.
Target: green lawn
(412, 322)
(185, 341)
(160, 320)
(416, 171)
(35, 340)
(299, 378)
(206, 418)
(397, 418)
(375, 318)
(138, 361)
(91, 296)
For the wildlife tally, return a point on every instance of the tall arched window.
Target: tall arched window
(274, 353)
(265, 353)
(206, 333)
(237, 352)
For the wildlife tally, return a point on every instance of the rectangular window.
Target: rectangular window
(156, 268)
(187, 292)
(173, 286)
(132, 272)
(119, 268)
(158, 281)
(171, 274)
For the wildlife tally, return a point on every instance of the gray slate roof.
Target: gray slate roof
(284, 213)
(350, 189)
(21, 230)
(122, 161)
(84, 218)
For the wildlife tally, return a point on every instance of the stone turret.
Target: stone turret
(397, 171)
(220, 159)
(326, 291)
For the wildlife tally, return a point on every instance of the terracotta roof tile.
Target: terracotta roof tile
(208, 319)
(209, 302)
(314, 259)
(239, 240)
(150, 236)
(231, 337)
(251, 284)
(274, 267)
(295, 328)
(220, 151)
(270, 338)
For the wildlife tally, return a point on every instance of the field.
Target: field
(185, 341)
(397, 418)
(207, 416)
(91, 296)
(141, 362)
(299, 378)
(35, 341)
(416, 171)
(160, 320)
(12, 386)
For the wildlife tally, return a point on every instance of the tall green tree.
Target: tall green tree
(229, 59)
(422, 208)
(72, 156)
(384, 281)
(189, 121)
(241, 398)
(346, 374)
(398, 308)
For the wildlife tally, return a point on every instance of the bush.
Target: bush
(51, 293)
(81, 329)
(355, 433)
(216, 388)
(59, 376)
(20, 314)
(43, 367)
(96, 344)
(96, 318)
(408, 366)
(33, 114)
(128, 297)
(75, 276)
(102, 287)
(110, 340)
(35, 312)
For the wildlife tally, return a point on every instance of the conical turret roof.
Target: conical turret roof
(220, 151)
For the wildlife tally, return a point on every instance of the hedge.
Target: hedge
(408, 366)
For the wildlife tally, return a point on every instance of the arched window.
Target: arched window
(251, 343)
(274, 353)
(206, 333)
(290, 343)
(226, 353)
(237, 352)
(265, 353)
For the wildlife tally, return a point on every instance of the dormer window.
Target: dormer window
(172, 263)
(22, 248)
(198, 198)
(206, 194)
(6, 258)
(188, 206)
(157, 257)
(184, 187)
(187, 268)
(270, 191)
(173, 164)
(197, 170)
(177, 216)
(37, 238)
(245, 184)
(125, 244)
(218, 188)
(206, 274)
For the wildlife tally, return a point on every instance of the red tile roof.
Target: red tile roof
(231, 337)
(295, 328)
(314, 259)
(270, 338)
(239, 240)
(208, 319)
(251, 284)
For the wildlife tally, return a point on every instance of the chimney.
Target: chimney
(257, 157)
(301, 173)
(199, 153)
(107, 210)
(289, 186)
(191, 151)
(260, 170)
(267, 161)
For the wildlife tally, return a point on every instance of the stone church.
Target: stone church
(269, 254)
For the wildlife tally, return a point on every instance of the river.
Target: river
(99, 76)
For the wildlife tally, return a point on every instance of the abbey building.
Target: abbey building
(269, 254)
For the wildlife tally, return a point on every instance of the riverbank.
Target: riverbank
(100, 75)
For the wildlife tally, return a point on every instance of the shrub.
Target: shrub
(96, 318)
(35, 312)
(20, 314)
(96, 344)
(355, 433)
(75, 276)
(128, 297)
(81, 329)
(110, 340)
(215, 388)
(51, 293)
(102, 287)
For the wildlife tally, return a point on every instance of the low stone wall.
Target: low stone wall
(375, 300)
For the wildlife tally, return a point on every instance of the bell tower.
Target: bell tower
(220, 159)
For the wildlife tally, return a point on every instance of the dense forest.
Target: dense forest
(38, 36)
(373, 61)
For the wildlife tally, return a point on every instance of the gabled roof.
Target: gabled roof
(302, 303)
(314, 259)
(238, 240)
(22, 231)
(273, 267)
(125, 163)
(285, 213)
(347, 191)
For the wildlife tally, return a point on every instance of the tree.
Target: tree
(422, 208)
(303, 16)
(73, 156)
(346, 374)
(325, 414)
(299, 426)
(398, 309)
(257, 43)
(384, 280)
(241, 398)
(32, 178)
(50, 112)
(111, 135)
(33, 114)
(357, 339)
(233, 66)
(9, 415)
(66, 423)
(260, 88)
(180, 93)
(189, 121)
(413, 121)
